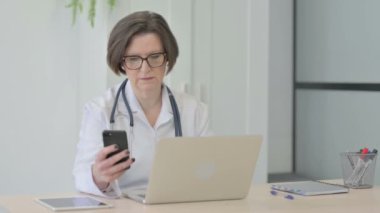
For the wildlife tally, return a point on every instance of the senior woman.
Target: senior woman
(142, 47)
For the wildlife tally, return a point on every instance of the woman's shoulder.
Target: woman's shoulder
(194, 115)
(104, 101)
(188, 101)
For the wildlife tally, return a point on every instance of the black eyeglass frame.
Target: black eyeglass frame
(145, 59)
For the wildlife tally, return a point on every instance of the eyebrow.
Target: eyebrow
(154, 52)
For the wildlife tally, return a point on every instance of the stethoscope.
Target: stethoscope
(177, 119)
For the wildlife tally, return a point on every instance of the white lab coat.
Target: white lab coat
(141, 139)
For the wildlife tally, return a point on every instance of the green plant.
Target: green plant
(77, 7)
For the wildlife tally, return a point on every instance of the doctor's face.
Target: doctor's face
(145, 62)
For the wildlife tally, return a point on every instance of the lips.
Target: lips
(146, 78)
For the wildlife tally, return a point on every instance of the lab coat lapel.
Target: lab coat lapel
(122, 118)
(132, 100)
(166, 113)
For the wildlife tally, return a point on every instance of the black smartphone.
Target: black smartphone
(119, 137)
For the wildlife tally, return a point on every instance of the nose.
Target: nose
(145, 66)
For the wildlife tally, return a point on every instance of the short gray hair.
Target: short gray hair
(139, 23)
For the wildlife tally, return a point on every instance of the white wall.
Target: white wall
(39, 96)
(331, 122)
(280, 87)
(337, 41)
(50, 69)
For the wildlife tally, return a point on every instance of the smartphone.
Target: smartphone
(119, 137)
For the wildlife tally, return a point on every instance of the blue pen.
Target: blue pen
(287, 196)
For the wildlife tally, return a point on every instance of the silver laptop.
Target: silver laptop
(188, 169)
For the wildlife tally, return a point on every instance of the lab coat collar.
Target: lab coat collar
(166, 111)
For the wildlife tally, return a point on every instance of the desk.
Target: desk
(258, 200)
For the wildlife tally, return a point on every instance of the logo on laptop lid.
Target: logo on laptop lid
(205, 170)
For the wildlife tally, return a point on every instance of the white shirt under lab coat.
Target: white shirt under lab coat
(142, 138)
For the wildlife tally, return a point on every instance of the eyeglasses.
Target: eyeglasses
(134, 62)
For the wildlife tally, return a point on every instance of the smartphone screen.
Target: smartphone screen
(119, 137)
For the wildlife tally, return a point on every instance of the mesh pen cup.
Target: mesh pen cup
(358, 169)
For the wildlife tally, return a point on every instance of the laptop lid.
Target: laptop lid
(189, 169)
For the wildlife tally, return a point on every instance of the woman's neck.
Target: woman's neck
(150, 103)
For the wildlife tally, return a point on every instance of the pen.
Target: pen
(374, 152)
(286, 196)
(365, 158)
(350, 160)
(369, 160)
(363, 152)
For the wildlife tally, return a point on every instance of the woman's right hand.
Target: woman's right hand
(105, 170)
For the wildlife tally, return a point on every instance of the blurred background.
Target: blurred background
(269, 67)
(51, 67)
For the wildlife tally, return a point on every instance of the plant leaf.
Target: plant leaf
(111, 3)
(92, 12)
(75, 5)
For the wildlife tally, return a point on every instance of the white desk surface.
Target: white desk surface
(258, 200)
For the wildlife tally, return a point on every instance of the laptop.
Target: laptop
(189, 169)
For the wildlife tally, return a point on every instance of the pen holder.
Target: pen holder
(358, 169)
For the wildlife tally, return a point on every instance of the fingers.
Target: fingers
(116, 158)
(120, 167)
(105, 152)
(115, 171)
(102, 159)
(108, 163)
(107, 169)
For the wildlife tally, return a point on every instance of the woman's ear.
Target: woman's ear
(122, 69)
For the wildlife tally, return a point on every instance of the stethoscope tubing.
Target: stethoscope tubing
(173, 103)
